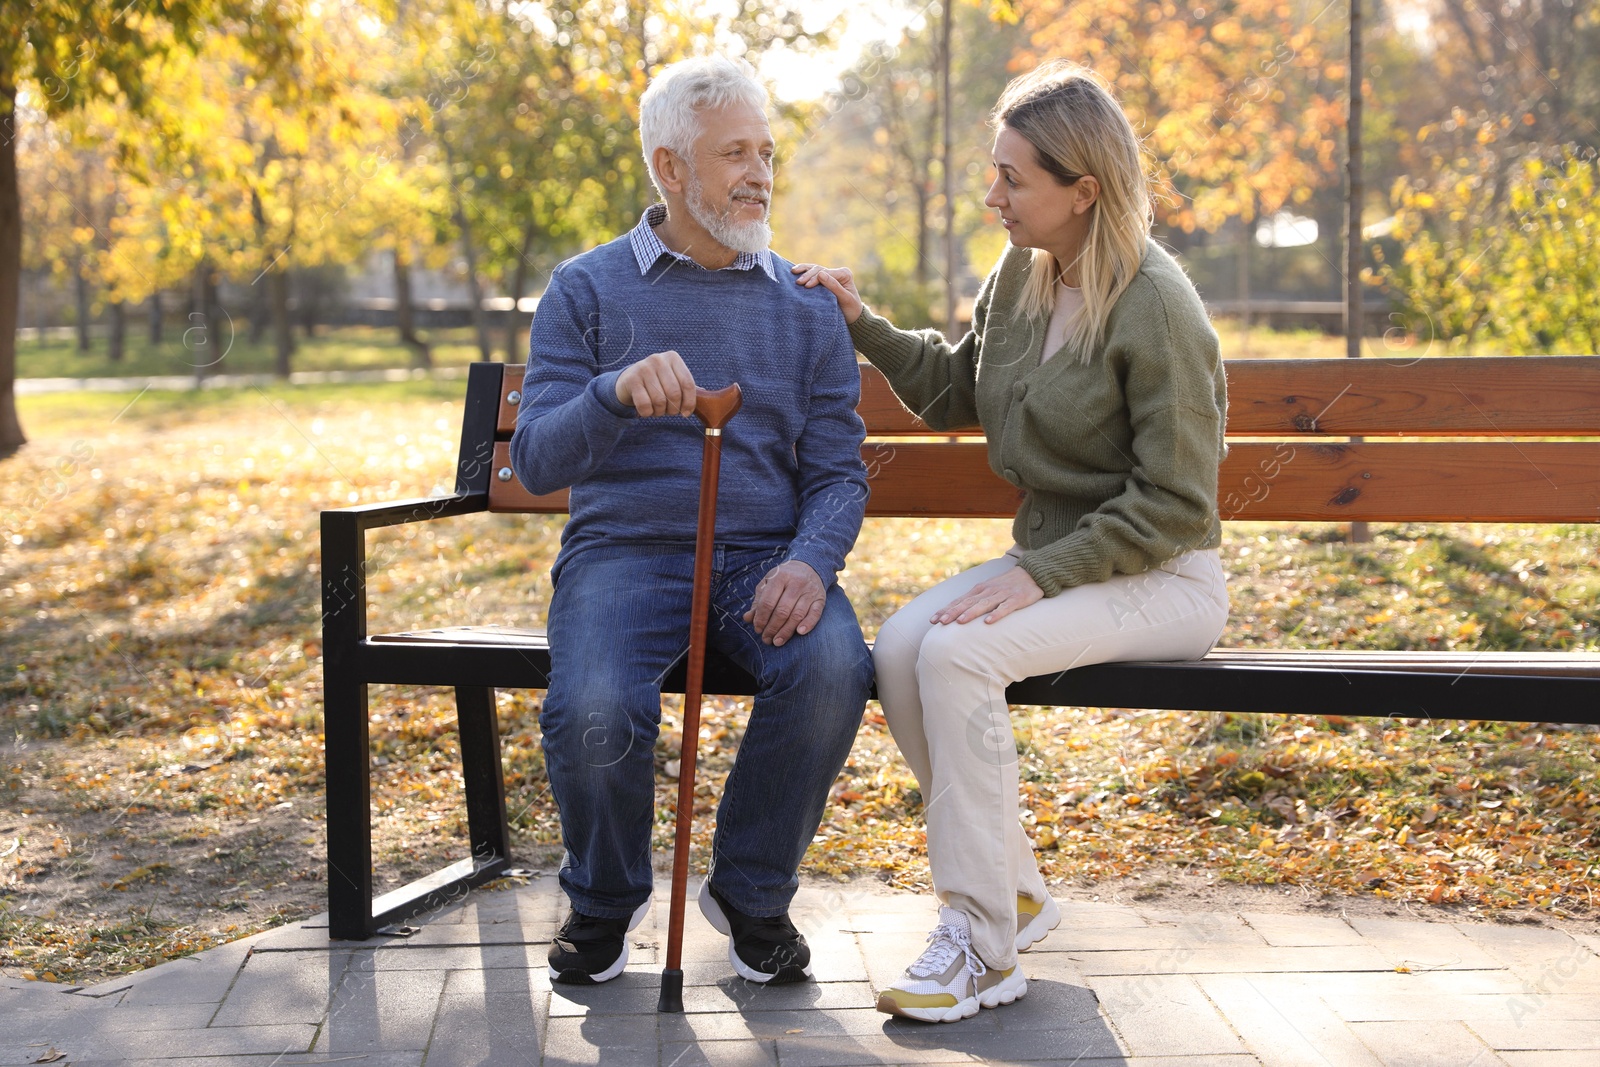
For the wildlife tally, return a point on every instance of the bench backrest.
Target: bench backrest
(1460, 440)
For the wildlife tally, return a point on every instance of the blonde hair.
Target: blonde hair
(1077, 127)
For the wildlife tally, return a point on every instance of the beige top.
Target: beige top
(1069, 301)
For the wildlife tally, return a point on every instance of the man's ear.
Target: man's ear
(671, 174)
(1085, 192)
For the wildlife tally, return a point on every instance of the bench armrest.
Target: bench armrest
(419, 509)
(345, 564)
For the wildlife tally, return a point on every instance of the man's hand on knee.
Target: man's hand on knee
(659, 384)
(789, 601)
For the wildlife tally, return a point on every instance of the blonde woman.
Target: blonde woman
(1095, 375)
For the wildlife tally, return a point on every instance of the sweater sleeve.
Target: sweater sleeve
(832, 481)
(1168, 503)
(935, 380)
(570, 418)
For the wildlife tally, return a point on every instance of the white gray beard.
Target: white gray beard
(739, 236)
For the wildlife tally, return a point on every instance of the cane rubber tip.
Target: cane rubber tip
(671, 992)
(715, 408)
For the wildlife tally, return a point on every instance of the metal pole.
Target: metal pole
(949, 176)
(1352, 276)
(1352, 272)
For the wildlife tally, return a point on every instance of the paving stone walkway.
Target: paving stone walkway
(1114, 984)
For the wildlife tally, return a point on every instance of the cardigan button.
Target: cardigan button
(1035, 521)
(1019, 390)
(1009, 475)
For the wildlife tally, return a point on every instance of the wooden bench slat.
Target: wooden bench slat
(1412, 482)
(1435, 396)
(1374, 481)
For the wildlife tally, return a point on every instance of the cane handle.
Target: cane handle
(716, 407)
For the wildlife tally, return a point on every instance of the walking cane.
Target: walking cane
(714, 409)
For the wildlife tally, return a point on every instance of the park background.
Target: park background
(286, 227)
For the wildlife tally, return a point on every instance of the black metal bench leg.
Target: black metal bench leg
(480, 767)
(349, 805)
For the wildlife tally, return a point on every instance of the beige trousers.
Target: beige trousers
(943, 692)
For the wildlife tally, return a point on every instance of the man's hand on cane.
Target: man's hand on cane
(788, 601)
(659, 384)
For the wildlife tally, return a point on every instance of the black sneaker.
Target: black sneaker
(760, 949)
(587, 949)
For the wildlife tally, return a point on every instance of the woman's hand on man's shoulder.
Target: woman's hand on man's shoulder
(837, 280)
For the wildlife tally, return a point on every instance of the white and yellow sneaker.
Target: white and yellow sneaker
(949, 982)
(1035, 918)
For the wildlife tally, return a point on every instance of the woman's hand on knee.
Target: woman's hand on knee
(993, 599)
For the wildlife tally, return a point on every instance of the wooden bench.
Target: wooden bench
(1460, 443)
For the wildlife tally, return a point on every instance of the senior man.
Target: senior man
(692, 296)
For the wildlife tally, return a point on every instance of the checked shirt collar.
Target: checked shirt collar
(647, 247)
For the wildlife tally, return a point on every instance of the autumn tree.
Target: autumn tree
(64, 53)
(67, 175)
(866, 185)
(1494, 210)
(542, 141)
(1239, 101)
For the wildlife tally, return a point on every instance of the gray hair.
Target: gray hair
(669, 105)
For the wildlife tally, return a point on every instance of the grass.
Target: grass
(343, 348)
(162, 694)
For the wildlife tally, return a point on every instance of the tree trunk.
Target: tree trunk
(638, 25)
(404, 317)
(1245, 238)
(197, 338)
(153, 321)
(204, 338)
(480, 322)
(11, 435)
(924, 238)
(119, 331)
(282, 328)
(80, 301)
(308, 304)
(518, 276)
(260, 314)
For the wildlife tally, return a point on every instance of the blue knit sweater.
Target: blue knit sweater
(791, 458)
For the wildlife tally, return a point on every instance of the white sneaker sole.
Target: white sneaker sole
(962, 1009)
(1048, 919)
(719, 923)
(1006, 991)
(622, 961)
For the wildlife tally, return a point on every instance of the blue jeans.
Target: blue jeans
(619, 620)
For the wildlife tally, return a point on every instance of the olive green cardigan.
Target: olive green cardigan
(1117, 455)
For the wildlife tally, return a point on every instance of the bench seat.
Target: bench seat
(1498, 686)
